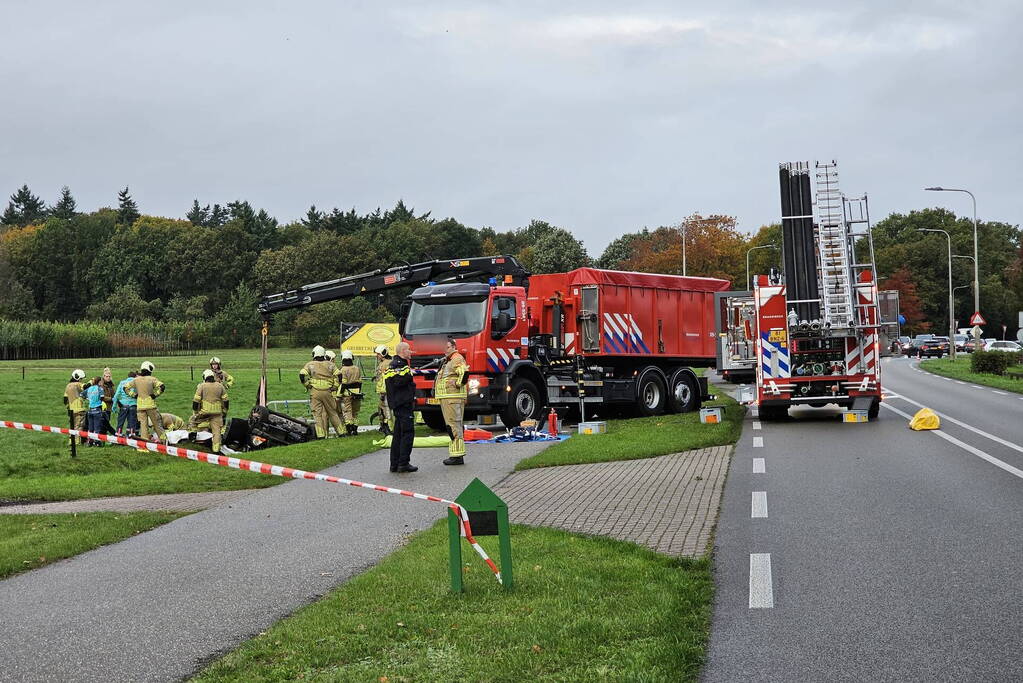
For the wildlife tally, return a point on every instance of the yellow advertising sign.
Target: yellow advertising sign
(362, 341)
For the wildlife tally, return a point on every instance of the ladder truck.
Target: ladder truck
(818, 323)
(588, 339)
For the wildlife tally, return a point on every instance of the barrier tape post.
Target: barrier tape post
(266, 468)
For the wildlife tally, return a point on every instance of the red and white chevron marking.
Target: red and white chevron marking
(263, 468)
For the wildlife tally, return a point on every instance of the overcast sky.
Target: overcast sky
(601, 117)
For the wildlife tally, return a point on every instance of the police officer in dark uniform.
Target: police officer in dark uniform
(401, 392)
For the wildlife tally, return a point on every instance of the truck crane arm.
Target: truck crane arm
(507, 268)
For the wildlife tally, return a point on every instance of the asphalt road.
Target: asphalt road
(155, 607)
(870, 552)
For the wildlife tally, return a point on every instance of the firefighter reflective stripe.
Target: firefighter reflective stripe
(449, 378)
(381, 370)
(390, 372)
(211, 396)
(319, 374)
(774, 357)
(73, 394)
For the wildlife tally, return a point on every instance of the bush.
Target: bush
(994, 362)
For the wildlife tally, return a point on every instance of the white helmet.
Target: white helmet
(208, 374)
(78, 375)
(214, 360)
(347, 355)
(319, 351)
(330, 355)
(381, 349)
(146, 365)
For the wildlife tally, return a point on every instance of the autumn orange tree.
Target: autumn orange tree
(713, 244)
(910, 305)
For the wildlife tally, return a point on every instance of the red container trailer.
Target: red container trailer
(585, 340)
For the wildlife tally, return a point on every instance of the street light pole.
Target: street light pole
(749, 283)
(976, 258)
(951, 301)
(683, 248)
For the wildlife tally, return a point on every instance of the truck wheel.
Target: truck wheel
(683, 396)
(772, 413)
(523, 403)
(874, 410)
(651, 393)
(434, 419)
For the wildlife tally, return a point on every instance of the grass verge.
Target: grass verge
(646, 437)
(960, 369)
(38, 466)
(30, 541)
(626, 613)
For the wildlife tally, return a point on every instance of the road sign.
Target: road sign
(977, 319)
(975, 331)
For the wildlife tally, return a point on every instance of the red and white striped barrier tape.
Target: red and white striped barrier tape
(264, 468)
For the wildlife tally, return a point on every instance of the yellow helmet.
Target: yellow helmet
(78, 375)
(381, 349)
(147, 366)
(214, 360)
(330, 355)
(319, 351)
(208, 374)
(347, 355)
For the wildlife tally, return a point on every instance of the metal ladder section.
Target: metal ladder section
(859, 233)
(834, 271)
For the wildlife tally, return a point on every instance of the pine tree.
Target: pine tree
(218, 216)
(24, 208)
(313, 218)
(127, 209)
(65, 206)
(198, 215)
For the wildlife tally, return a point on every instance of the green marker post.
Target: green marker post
(488, 516)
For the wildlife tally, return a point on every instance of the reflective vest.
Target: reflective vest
(145, 388)
(381, 369)
(450, 376)
(73, 397)
(319, 374)
(210, 396)
(351, 381)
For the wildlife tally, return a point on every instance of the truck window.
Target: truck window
(589, 321)
(456, 318)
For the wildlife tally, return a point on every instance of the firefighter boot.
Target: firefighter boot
(460, 460)
(353, 430)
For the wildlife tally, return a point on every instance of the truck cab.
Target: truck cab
(488, 323)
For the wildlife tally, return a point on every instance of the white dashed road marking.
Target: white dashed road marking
(759, 505)
(759, 466)
(761, 593)
(1000, 393)
(958, 382)
(758, 442)
(756, 424)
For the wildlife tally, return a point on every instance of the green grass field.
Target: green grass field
(582, 609)
(960, 369)
(30, 541)
(38, 466)
(645, 437)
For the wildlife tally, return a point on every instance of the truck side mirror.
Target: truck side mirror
(500, 325)
(504, 304)
(406, 306)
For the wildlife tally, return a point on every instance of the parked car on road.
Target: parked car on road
(1009, 346)
(901, 345)
(935, 346)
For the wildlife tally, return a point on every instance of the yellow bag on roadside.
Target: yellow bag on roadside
(924, 419)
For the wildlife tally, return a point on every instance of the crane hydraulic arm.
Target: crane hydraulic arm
(507, 268)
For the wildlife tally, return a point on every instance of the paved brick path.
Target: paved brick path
(176, 502)
(668, 503)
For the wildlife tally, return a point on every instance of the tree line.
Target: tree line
(210, 267)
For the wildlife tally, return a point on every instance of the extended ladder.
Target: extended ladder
(833, 251)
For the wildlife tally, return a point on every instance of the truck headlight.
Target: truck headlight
(474, 386)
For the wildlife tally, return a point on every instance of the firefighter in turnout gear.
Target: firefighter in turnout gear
(350, 392)
(209, 405)
(320, 378)
(171, 422)
(218, 372)
(449, 389)
(145, 388)
(383, 410)
(74, 402)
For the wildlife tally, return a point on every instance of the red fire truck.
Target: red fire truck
(587, 339)
(818, 323)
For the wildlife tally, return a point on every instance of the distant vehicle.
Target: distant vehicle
(901, 345)
(960, 340)
(971, 345)
(1008, 346)
(914, 345)
(935, 346)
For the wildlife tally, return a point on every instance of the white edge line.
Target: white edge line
(965, 446)
(973, 429)
(761, 592)
(759, 466)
